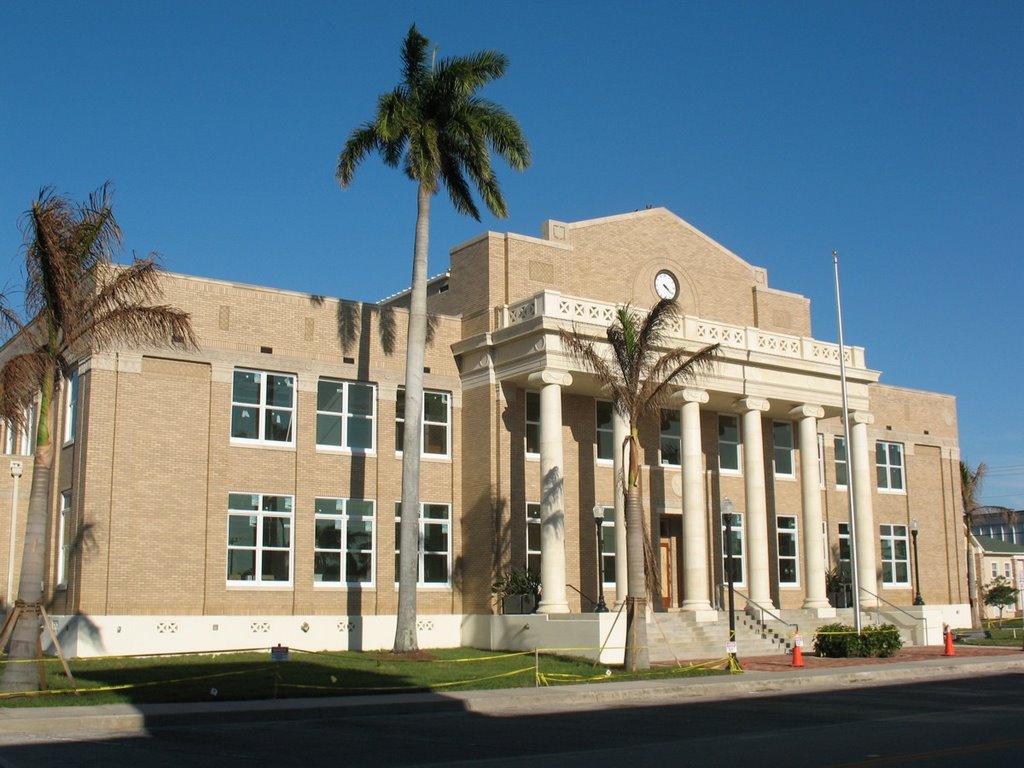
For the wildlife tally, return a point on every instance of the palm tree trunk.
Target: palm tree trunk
(637, 656)
(408, 558)
(21, 675)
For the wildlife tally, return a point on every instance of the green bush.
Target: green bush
(842, 641)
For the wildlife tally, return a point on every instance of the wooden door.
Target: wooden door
(667, 582)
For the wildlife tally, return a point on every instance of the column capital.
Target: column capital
(751, 404)
(550, 376)
(807, 411)
(862, 417)
(689, 395)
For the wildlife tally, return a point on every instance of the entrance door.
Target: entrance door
(667, 582)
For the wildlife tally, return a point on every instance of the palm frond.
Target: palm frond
(21, 378)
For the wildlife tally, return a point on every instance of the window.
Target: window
(605, 443)
(608, 546)
(841, 463)
(533, 424)
(1006, 570)
(70, 406)
(263, 408)
(259, 539)
(995, 570)
(343, 544)
(736, 519)
(782, 448)
(844, 553)
(28, 431)
(821, 463)
(671, 439)
(788, 572)
(895, 557)
(533, 538)
(345, 415)
(728, 443)
(64, 539)
(435, 543)
(889, 465)
(436, 418)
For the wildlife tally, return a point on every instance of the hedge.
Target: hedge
(842, 641)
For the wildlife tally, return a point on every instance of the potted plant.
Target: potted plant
(518, 590)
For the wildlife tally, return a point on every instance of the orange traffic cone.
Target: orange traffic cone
(949, 641)
(798, 653)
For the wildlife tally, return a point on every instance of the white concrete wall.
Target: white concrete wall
(582, 635)
(126, 635)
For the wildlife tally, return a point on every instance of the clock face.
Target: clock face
(665, 285)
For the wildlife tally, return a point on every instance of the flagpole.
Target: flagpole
(849, 453)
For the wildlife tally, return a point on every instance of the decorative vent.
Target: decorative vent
(267, 350)
(166, 627)
(309, 329)
(224, 318)
(259, 627)
(424, 625)
(346, 626)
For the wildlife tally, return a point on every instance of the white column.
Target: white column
(552, 493)
(810, 496)
(695, 529)
(862, 460)
(756, 524)
(620, 429)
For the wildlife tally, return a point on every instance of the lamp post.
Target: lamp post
(918, 600)
(599, 523)
(727, 518)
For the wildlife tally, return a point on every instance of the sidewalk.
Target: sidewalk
(763, 676)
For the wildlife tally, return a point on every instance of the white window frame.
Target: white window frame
(64, 540)
(844, 462)
(257, 518)
(345, 416)
(71, 407)
(426, 425)
(738, 443)
(781, 452)
(821, 463)
(531, 424)
(445, 524)
(784, 531)
(28, 431)
(604, 434)
(263, 409)
(533, 538)
(738, 536)
(894, 538)
(670, 438)
(887, 470)
(845, 564)
(345, 514)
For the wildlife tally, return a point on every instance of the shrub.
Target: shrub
(842, 641)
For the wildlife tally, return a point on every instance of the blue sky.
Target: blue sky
(784, 130)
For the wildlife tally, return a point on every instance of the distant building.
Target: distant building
(1001, 558)
(246, 494)
(999, 523)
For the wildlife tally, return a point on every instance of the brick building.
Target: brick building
(245, 494)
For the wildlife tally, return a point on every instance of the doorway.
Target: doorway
(671, 529)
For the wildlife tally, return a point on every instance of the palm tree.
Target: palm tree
(78, 301)
(440, 131)
(970, 490)
(640, 378)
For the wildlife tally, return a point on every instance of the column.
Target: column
(756, 524)
(815, 596)
(695, 533)
(552, 492)
(620, 429)
(862, 460)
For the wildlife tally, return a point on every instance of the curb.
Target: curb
(127, 719)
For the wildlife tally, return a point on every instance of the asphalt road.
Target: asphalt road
(963, 722)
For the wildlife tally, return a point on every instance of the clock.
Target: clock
(666, 285)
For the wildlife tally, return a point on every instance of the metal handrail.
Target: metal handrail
(763, 610)
(584, 595)
(901, 610)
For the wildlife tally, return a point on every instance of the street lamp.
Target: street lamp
(599, 523)
(918, 600)
(727, 519)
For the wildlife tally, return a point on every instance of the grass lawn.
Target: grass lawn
(242, 676)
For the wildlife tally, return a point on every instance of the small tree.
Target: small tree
(1001, 593)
